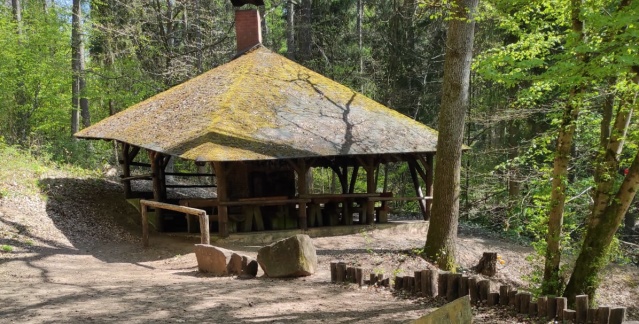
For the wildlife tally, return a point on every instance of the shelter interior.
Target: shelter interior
(244, 196)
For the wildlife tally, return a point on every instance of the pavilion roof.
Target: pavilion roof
(263, 106)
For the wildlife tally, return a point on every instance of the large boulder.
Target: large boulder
(222, 262)
(291, 257)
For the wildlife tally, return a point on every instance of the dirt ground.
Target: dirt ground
(74, 259)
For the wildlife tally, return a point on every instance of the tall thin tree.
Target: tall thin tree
(80, 104)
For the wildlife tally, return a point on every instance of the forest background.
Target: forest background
(67, 64)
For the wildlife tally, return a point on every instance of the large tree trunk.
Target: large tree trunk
(551, 284)
(442, 232)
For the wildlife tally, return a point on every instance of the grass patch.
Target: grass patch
(6, 248)
(22, 169)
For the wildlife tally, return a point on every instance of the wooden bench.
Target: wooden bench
(381, 212)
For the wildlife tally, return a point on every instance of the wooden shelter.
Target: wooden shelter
(262, 121)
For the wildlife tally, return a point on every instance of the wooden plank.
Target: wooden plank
(190, 186)
(371, 187)
(351, 187)
(302, 189)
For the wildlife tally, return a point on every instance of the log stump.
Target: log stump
(581, 307)
(452, 289)
(484, 289)
(603, 315)
(442, 284)
(493, 299)
(487, 264)
(473, 290)
(562, 304)
(429, 283)
(617, 315)
(503, 295)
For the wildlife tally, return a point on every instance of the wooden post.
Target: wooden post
(333, 271)
(442, 284)
(473, 290)
(484, 289)
(562, 304)
(341, 272)
(493, 298)
(603, 315)
(429, 182)
(503, 295)
(418, 282)
(155, 158)
(399, 282)
(542, 303)
(371, 187)
(517, 301)
(145, 226)
(532, 309)
(524, 302)
(409, 282)
(512, 300)
(429, 283)
(412, 167)
(581, 307)
(463, 286)
(551, 310)
(385, 282)
(373, 279)
(222, 196)
(205, 235)
(302, 189)
(452, 287)
(569, 315)
(126, 171)
(617, 315)
(592, 316)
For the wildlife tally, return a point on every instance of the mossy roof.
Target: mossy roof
(263, 106)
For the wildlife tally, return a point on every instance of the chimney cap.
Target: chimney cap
(239, 3)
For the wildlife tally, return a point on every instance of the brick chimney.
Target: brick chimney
(248, 29)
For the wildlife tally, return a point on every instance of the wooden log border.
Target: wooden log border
(441, 284)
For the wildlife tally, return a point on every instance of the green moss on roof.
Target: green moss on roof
(263, 106)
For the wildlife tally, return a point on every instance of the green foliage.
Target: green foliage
(6, 248)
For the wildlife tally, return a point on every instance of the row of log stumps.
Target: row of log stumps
(450, 286)
(341, 273)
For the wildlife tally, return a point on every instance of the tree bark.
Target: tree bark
(609, 208)
(16, 9)
(80, 104)
(442, 232)
(550, 283)
(290, 30)
(305, 29)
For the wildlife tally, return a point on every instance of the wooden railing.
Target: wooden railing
(202, 215)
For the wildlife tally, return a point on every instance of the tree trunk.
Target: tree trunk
(550, 283)
(609, 208)
(305, 40)
(80, 104)
(599, 234)
(290, 30)
(442, 232)
(16, 9)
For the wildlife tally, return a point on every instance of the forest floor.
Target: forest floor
(72, 253)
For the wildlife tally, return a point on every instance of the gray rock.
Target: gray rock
(291, 257)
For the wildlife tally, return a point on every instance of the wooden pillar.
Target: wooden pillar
(429, 182)
(351, 187)
(371, 187)
(145, 226)
(222, 197)
(126, 171)
(412, 167)
(302, 189)
(156, 163)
